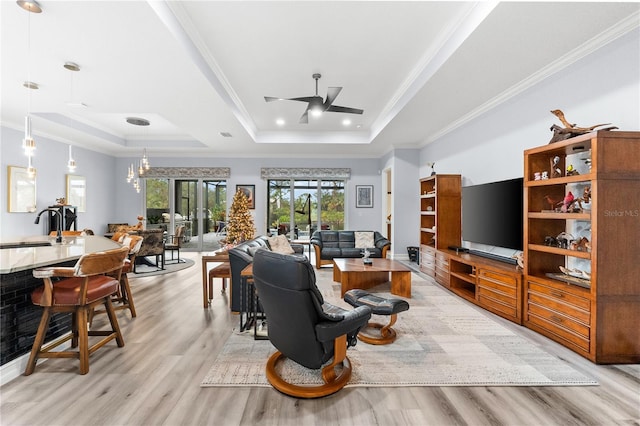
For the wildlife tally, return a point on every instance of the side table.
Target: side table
(249, 304)
(221, 256)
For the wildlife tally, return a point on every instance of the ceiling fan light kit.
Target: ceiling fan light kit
(316, 105)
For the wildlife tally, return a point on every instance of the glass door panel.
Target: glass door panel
(185, 212)
(332, 205)
(279, 209)
(157, 203)
(215, 213)
(305, 207)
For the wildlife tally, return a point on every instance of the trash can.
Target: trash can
(413, 253)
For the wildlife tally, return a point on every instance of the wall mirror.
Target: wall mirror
(77, 192)
(21, 191)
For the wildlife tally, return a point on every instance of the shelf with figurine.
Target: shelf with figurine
(578, 229)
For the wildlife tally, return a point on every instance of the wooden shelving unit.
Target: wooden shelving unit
(600, 317)
(493, 285)
(440, 217)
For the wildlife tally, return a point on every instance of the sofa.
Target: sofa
(242, 255)
(340, 244)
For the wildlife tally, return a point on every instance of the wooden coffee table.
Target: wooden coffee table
(353, 273)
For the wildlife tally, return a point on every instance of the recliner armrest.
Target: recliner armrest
(352, 321)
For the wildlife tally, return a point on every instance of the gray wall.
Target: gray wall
(50, 161)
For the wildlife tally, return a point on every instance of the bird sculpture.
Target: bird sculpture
(558, 113)
(552, 203)
(571, 130)
(567, 202)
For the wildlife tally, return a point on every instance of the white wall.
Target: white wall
(50, 161)
(601, 88)
(404, 165)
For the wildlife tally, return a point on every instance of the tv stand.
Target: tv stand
(494, 256)
(494, 285)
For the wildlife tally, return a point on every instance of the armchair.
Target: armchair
(302, 326)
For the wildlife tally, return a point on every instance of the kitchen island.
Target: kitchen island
(19, 318)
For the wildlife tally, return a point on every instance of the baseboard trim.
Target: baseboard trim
(15, 368)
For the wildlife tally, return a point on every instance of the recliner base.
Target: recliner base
(332, 382)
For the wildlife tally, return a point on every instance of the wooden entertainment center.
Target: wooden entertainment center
(598, 315)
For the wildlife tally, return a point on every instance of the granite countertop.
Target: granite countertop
(27, 253)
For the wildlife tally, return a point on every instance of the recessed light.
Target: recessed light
(71, 66)
(346, 122)
(137, 121)
(280, 122)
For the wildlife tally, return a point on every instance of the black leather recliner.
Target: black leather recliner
(301, 325)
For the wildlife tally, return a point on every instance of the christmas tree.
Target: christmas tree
(240, 226)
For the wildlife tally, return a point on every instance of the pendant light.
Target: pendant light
(31, 171)
(143, 163)
(71, 164)
(29, 144)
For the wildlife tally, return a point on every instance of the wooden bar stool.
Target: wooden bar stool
(124, 296)
(223, 271)
(90, 283)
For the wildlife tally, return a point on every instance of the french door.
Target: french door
(197, 204)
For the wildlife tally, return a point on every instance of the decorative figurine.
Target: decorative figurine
(571, 130)
(586, 194)
(552, 203)
(545, 175)
(519, 261)
(62, 201)
(582, 244)
(433, 172)
(556, 172)
(571, 171)
(567, 203)
(365, 257)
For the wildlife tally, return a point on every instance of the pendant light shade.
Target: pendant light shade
(71, 164)
(28, 144)
(30, 6)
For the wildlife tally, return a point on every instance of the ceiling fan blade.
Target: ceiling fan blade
(335, 108)
(302, 99)
(332, 94)
(304, 119)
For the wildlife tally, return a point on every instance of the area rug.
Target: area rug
(442, 341)
(144, 270)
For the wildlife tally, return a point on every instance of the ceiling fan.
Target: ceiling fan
(316, 105)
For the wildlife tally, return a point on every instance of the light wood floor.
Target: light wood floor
(171, 345)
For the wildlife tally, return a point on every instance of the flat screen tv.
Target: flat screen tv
(492, 214)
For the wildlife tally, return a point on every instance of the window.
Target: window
(296, 201)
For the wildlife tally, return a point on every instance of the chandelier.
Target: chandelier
(143, 163)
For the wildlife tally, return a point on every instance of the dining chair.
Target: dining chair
(174, 242)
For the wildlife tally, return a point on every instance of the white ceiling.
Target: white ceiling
(195, 69)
